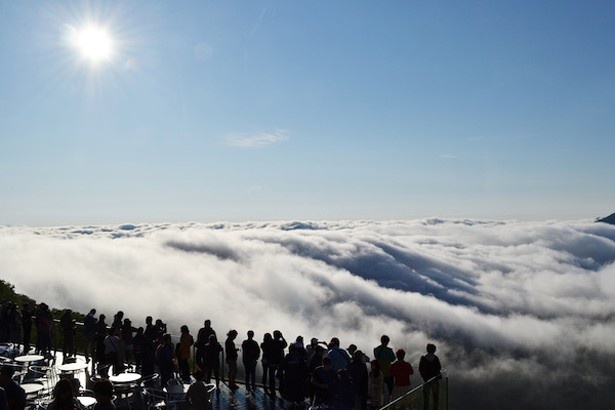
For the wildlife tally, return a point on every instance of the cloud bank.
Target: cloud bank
(523, 313)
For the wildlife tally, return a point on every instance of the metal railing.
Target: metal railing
(414, 399)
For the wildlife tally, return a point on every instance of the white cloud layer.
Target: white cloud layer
(526, 307)
(258, 140)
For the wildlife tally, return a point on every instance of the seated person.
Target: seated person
(103, 391)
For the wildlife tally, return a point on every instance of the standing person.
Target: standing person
(183, 359)
(117, 325)
(99, 354)
(149, 347)
(294, 370)
(430, 368)
(89, 325)
(376, 384)
(250, 353)
(164, 359)
(385, 356)
(118, 319)
(278, 344)
(266, 349)
(339, 357)
(68, 333)
(139, 343)
(26, 323)
(211, 359)
(231, 358)
(14, 324)
(357, 370)
(401, 371)
(314, 363)
(202, 338)
(127, 338)
(44, 324)
(112, 350)
(205, 332)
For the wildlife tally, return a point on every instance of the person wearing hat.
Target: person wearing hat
(15, 394)
(231, 358)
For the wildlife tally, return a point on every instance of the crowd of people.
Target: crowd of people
(322, 372)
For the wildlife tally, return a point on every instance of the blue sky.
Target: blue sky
(244, 110)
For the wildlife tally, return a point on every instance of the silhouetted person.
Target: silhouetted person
(326, 384)
(3, 403)
(68, 333)
(15, 394)
(183, 355)
(103, 393)
(250, 353)
(112, 350)
(197, 395)
(266, 350)
(150, 334)
(278, 344)
(44, 324)
(385, 356)
(357, 370)
(345, 397)
(26, 324)
(89, 327)
(339, 357)
(139, 345)
(63, 397)
(99, 354)
(376, 384)
(127, 338)
(294, 373)
(231, 358)
(202, 337)
(118, 319)
(164, 359)
(314, 363)
(430, 368)
(211, 359)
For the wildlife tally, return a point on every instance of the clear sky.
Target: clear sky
(244, 110)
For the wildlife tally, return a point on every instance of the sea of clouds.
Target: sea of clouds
(523, 313)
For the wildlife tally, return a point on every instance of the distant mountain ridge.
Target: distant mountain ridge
(607, 219)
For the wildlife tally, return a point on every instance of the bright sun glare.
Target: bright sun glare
(94, 43)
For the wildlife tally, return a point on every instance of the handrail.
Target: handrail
(443, 374)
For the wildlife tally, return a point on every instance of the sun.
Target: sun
(93, 43)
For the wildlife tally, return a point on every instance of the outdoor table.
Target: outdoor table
(86, 401)
(29, 358)
(125, 385)
(31, 388)
(123, 378)
(72, 367)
